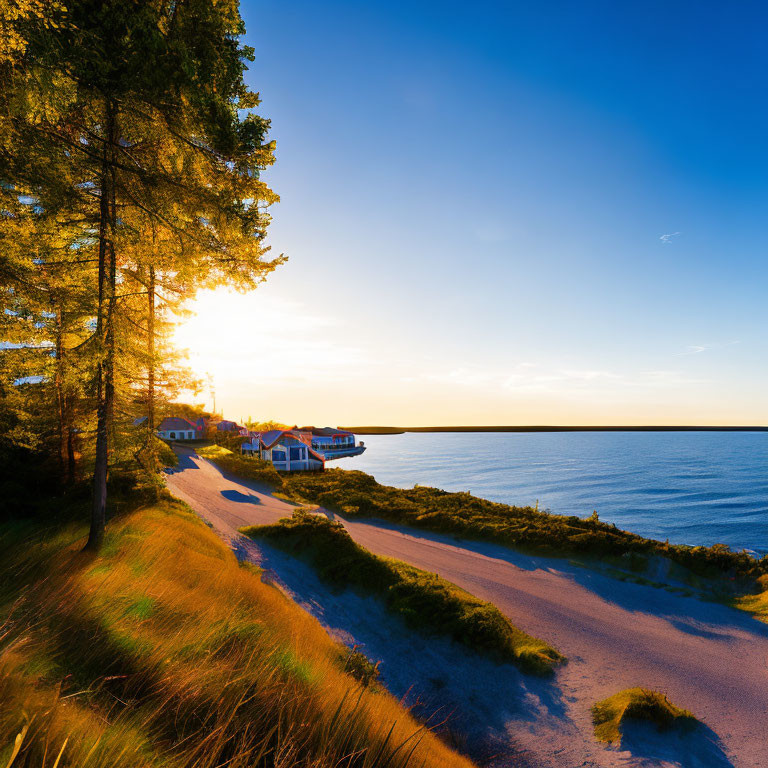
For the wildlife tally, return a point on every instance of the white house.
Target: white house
(285, 449)
(176, 428)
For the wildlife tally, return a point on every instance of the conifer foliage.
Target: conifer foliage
(130, 160)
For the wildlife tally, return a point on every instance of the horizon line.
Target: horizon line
(557, 428)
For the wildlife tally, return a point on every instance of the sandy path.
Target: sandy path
(708, 658)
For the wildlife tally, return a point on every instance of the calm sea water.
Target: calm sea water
(688, 487)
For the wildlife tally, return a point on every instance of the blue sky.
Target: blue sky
(473, 205)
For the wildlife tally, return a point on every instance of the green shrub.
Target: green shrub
(358, 665)
(424, 600)
(609, 715)
(165, 453)
(227, 439)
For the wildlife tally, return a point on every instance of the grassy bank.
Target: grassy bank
(164, 651)
(611, 714)
(424, 600)
(356, 494)
(262, 472)
(756, 603)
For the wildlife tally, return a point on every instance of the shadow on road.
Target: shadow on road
(697, 747)
(242, 498)
(184, 455)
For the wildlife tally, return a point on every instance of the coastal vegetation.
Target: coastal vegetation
(611, 714)
(424, 600)
(162, 651)
(356, 494)
(265, 426)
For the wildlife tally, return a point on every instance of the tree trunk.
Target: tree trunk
(151, 369)
(104, 335)
(71, 461)
(66, 429)
(61, 398)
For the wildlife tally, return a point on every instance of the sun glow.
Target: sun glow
(273, 357)
(258, 343)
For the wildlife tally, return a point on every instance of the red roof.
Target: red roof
(176, 423)
(268, 439)
(272, 436)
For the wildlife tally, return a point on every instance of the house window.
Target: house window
(296, 454)
(172, 435)
(278, 455)
(190, 435)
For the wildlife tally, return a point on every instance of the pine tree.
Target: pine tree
(138, 106)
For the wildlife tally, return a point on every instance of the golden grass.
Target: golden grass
(756, 604)
(164, 651)
(213, 451)
(609, 715)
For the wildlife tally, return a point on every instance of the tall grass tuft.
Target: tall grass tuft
(611, 714)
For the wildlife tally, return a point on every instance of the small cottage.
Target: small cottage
(177, 428)
(287, 451)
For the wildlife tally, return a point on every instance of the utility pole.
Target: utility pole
(212, 388)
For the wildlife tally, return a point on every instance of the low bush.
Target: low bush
(756, 603)
(360, 667)
(609, 715)
(424, 600)
(165, 453)
(228, 439)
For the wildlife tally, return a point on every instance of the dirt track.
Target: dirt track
(708, 658)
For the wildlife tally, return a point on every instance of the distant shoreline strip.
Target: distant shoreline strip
(402, 430)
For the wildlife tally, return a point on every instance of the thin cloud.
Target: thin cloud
(667, 239)
(693, 349)
(697, 349)
(665, 378)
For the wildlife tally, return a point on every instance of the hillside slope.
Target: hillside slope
(164, 651)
